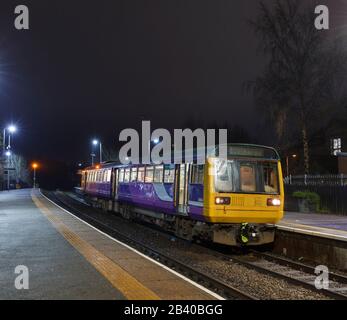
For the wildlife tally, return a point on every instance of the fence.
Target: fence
(332, 190)
(317, 180)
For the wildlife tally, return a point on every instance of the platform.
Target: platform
(69, 259)
(323, 225)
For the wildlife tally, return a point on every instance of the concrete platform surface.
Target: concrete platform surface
(68, 259)
(324, 225)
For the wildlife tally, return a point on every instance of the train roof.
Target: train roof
(234, 149)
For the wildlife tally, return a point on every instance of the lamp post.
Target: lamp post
(95, 143)
(287, 162)
(92, 156)
(11, 129)
(4, 140)
(8, 155)
(34, 166)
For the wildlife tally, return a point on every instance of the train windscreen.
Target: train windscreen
(244, 176)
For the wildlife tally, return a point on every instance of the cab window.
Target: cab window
(247, 177)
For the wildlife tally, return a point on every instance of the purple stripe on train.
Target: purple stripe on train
(102, 189)
(152, 196)
(159, 197)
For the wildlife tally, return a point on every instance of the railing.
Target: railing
(331, 188)
(317, 180)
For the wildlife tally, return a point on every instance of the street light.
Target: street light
(34, 166)
(287, 162)
(11, 129)
(95, 143)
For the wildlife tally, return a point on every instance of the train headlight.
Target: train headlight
(274, 202)
(222, 200)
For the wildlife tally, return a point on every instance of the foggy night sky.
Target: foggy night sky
(92, 68)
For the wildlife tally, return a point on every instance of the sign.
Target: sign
(336, 146)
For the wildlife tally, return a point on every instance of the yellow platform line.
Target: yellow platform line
(130, 287)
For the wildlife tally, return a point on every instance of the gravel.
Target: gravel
(204, 259)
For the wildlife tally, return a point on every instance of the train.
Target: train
(235, 201)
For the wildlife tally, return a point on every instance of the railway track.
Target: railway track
(208, 281)
(300, 273)
(293, 272)
(290, 271)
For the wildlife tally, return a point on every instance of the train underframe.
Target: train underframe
(236, 234)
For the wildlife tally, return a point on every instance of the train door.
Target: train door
(84, 180)
(115, 183)
(181, 188)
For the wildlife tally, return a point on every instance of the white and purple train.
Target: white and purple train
(235, 201)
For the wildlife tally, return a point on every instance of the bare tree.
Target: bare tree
(110, 154)
(298, 88)
(21, 172)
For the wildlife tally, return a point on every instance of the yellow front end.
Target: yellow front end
(244, 207)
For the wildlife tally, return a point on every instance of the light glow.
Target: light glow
(11, 128)
(274, 202)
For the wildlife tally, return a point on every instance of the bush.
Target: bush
(312, 198)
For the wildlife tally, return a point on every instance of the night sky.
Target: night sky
(91, 68)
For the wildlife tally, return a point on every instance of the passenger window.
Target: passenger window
(158, 174)
(169, 174)
(197, 174)
(247, 177)
(127, 175)
(141, 174)
(121, 175)
(109, 173)
(133, 176)
(149, 174)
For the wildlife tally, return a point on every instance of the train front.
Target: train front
(244, 195)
